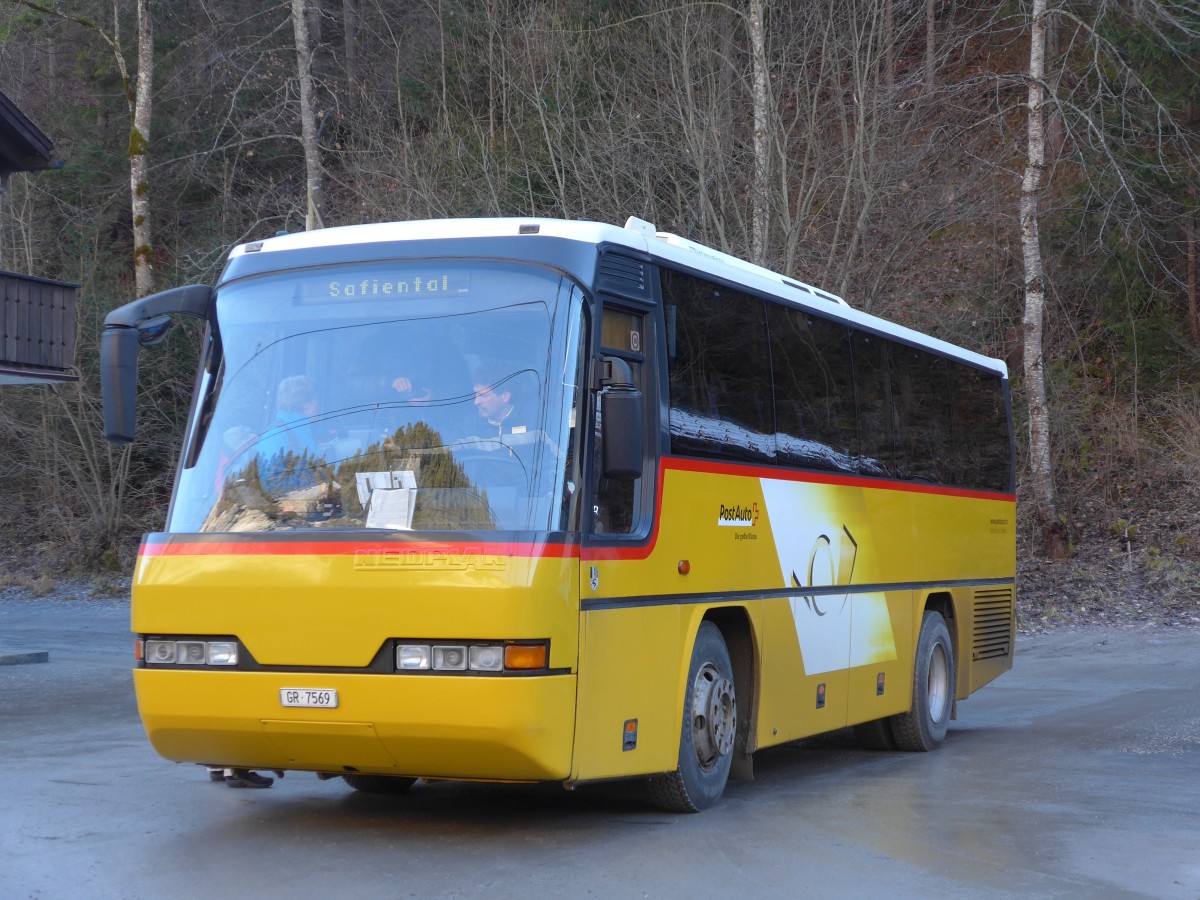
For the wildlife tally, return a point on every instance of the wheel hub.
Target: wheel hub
(714, 716)
(939, 684)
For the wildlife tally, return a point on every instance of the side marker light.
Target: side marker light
(629, 735)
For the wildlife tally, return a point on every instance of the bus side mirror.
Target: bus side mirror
(118, 382)
(142, 323)
(621, 423)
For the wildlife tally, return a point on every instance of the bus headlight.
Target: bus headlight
(221, 653)
(412, 657)
(189, 653)
(160, 652)
(449, 657)
(486, 658)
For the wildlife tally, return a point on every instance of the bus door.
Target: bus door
(625, 720)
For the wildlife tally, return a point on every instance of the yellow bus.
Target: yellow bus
(528, 500)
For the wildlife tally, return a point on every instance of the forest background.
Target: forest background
(876, 148)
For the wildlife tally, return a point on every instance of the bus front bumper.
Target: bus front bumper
(422, 726)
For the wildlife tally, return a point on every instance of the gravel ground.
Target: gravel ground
(1108, 585)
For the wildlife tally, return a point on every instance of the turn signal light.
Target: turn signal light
(525, 656)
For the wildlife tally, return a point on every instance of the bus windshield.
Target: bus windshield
(431, 395)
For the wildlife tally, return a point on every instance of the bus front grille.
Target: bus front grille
(993, 623)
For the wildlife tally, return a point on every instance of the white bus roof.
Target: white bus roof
(637, 235)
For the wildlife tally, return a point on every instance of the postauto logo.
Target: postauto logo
(738, 516)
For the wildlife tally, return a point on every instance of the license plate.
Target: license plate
(312, 698)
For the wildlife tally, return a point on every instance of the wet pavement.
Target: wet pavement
(1076, 774)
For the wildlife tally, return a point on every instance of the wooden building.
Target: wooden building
(37, 318)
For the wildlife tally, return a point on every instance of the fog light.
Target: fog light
(412, 656)
(486, 659)
(189, 653)
(450, 657)
(221, 653)
(160, 651)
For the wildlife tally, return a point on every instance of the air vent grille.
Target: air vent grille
(624, 277)
(993, 635)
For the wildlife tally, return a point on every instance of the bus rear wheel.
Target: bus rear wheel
(379, 784)
(708, 730)
(924, 726)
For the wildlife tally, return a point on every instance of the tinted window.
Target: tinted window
(615, 509)
(871, 396)
(921, 401)
(814, 392)
(981, 429)
(719, 369)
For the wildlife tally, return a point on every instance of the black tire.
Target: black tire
(707, 731)
(924, 726)
(875, 735)
(379, 784)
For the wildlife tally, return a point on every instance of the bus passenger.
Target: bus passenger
(287, 453)
(296, 403)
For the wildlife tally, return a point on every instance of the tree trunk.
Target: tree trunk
(139, 148)
(308, 118)
(1041, 475)
(350, 43)
(139, 96)
(1189, 224)
(930, 42)
(759, 206)
(1189, 232)
(889, 48)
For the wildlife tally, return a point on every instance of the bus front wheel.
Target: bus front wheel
(379, 784)
(924, 726)
(708, 729)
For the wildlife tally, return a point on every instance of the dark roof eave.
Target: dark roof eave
(23, 146)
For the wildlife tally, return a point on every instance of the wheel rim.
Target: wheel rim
(714, 716)
(939, 683)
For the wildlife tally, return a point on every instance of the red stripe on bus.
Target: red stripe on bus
(643, 551)
(349, 548)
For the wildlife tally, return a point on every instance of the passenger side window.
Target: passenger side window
(814, 391)
(921, 400)
(981, 429)
(718, 364)
(874, 405)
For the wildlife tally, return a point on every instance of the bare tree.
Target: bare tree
(1189, 230)
(138, 87)
(1041, 475)
(930, 43)
(139, 151)
(761, 102)
(350, 43)
(308, 117)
